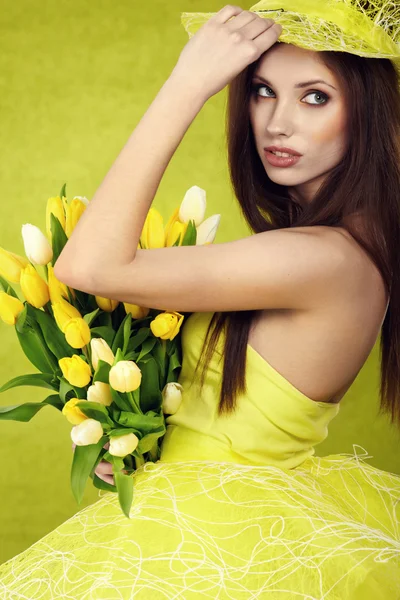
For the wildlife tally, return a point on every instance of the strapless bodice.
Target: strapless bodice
(274, 423)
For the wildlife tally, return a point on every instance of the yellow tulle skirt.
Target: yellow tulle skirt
(329, 529)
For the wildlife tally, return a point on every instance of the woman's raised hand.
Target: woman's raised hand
(223, 47)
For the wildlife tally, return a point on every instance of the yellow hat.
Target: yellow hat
(341, 25)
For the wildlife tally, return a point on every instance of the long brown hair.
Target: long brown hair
(367, 179)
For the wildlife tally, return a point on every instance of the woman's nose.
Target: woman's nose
(280, 121)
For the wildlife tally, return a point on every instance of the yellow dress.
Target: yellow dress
(237, 507)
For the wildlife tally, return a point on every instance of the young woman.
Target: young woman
(238, 505)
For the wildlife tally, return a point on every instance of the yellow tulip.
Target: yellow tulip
(100, 392)
(77, 333)
(55, 206)
(101, 351)
(137, 312)
(72, 215)
(172, 397)
(10, 308)
(167, 325)
(153, 235)
(125, 376)
(75, 370)
(64, 312)
(34, 288)
(106, 304)
(121, 445)
(11, 265)
(73, 414)
(177, 229)
(86, 433)
(57, 289)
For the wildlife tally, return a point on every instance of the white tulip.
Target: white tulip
(101, 351)
(207, 230)
(100, 392)
(36, 244)
(172, 397)
(193, 206)
(86, 433)
(122, 445)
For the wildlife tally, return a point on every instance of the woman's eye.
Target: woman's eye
(323, 98)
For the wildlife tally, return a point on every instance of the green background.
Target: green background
(76, 78)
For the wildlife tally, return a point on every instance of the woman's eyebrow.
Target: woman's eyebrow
(298, 85)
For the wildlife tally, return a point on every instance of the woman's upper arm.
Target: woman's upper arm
(285, 268)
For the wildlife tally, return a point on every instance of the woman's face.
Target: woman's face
(310, 119)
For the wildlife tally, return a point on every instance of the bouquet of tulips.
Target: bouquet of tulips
(112, 367)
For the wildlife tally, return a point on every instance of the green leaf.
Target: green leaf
(25, 412)
(95, 410)
(63, 191)
(45, 380)
(102, 372)
(124, 431)
(54, 337)
(85, 458)
(190, 237)
(143, 423)
(120, 400)
(147, 442)
(90, 317)
(34, 345)
(150, 393)
(122, 336)
(58, 238)
(65, 388)
(139, 338)
(7, 288)
(103, 485)
(105, 331)
(147, 347)
(124, 484)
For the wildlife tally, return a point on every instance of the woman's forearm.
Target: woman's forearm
(108, 232)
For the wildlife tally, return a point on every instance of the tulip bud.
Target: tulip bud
(122, 445)
(173, 219)
(77, 333)
(106, 304)
(101, 351)
(37, 247)
(153, 230)
(11, 265)
(73, 213)
(172, 397)
(10, 307)
(57, 289)
(73, 414)
(207, 230)
(125, 376)
(54, 206)
(193, 206)
(100, 392)
(176, 231)
(75, 370)
(166, 325)
(88, 432)
(137, 312)
(63, 312)
(34, 288)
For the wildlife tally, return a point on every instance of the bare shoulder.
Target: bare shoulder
(361, 277)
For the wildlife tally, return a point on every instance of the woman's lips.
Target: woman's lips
(280, 161)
